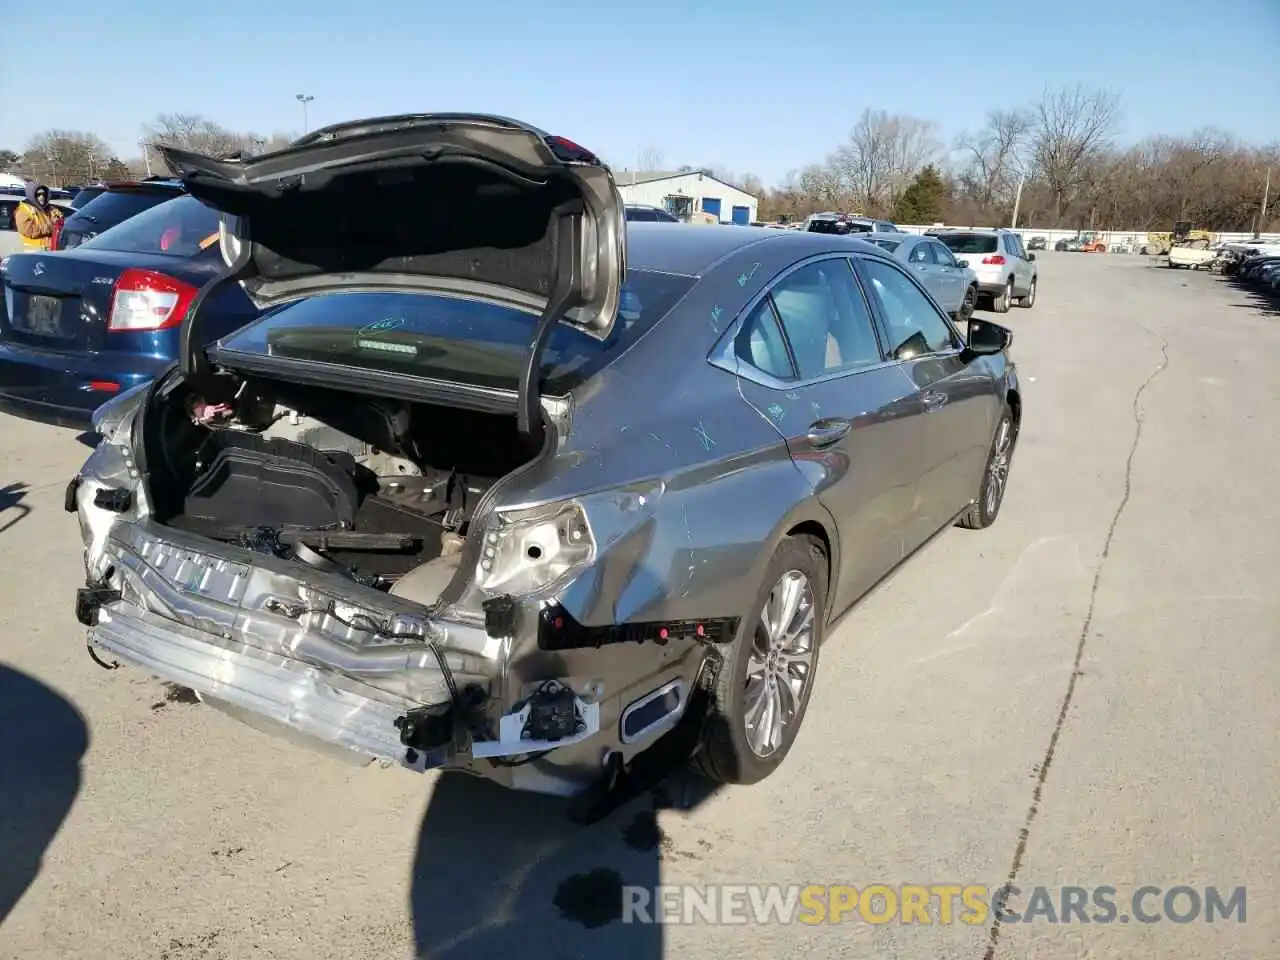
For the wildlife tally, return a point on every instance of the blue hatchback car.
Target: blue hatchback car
(82, 325)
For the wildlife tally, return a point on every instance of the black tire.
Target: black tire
(1001, 302)
(724, 753)
(984, 513)
(1029, 301)
(967, 305)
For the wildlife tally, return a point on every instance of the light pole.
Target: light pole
(1017, 202)
(146, 154)
(304, 99)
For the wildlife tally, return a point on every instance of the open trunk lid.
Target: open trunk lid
(465, 204)
(474, 205)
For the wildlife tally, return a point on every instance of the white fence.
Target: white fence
(1133, 237)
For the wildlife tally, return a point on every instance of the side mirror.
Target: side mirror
(986, 339)
(962, 264)
(1031, 256)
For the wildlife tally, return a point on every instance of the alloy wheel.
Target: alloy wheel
(998, 468)
(780, 664)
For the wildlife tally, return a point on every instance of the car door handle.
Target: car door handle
(934, 399)
(823, 433)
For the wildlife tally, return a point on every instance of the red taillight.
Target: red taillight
(566, 149)
(995, 260)
(146, 300)
(55, 238)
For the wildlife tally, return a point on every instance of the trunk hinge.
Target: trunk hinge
(192, 360)
(566, 293)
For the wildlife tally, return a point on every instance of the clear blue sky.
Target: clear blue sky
(752, 86)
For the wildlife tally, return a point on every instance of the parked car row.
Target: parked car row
(1255, 264)
(510, 483)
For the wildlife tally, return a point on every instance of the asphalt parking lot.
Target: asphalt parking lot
(1085, 694)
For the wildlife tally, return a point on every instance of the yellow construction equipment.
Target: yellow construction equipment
(1159, 244)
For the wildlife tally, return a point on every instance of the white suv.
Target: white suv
(1006, 271)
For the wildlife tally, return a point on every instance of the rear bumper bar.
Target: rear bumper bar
(290, 693)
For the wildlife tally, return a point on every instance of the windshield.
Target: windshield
(451, 338)
(969, 242)
(181, 227)
(890, 245)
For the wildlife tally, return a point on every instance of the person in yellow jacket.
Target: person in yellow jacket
(35, 218)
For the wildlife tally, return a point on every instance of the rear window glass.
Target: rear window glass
(890, 245)
(838, 226)
(455, 339)
(969, 242)
(182, 227)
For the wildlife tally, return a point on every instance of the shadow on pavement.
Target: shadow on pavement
(42, 741)
(11, 497)
(504, 874)
(1260, 298)
(88, 438)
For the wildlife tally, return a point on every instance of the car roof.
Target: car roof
(886, 235)
(693, 249)
(969, 230)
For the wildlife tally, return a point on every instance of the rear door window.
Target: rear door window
(826, 319)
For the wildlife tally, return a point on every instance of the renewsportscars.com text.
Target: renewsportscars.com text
(971, 904)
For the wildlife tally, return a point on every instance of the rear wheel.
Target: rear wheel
(763, 687)
(1029, 301)
(1000, 303)
(995, 477)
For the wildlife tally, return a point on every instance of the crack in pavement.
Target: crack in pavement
(1024, 835)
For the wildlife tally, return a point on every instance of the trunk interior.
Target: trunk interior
(371, 488)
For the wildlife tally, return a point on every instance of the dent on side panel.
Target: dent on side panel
(698, 553)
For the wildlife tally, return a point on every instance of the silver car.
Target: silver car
(949, 281)
(506, 485)
(1007, 272)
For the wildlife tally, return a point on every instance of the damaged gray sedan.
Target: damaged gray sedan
(503, 485)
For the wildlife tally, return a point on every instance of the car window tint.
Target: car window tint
(920, 253)
(760, 344)
(915, 327)
(826, 319)
(942, 255)
(963, 243)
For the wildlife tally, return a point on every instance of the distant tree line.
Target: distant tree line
(1064, 149)
(73, 157)
(1061, 159)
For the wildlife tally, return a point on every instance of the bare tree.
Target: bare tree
(194, 132)
(63, 157)
(1071, 126)
(649, 158)
(882, 156)
(994, 157)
